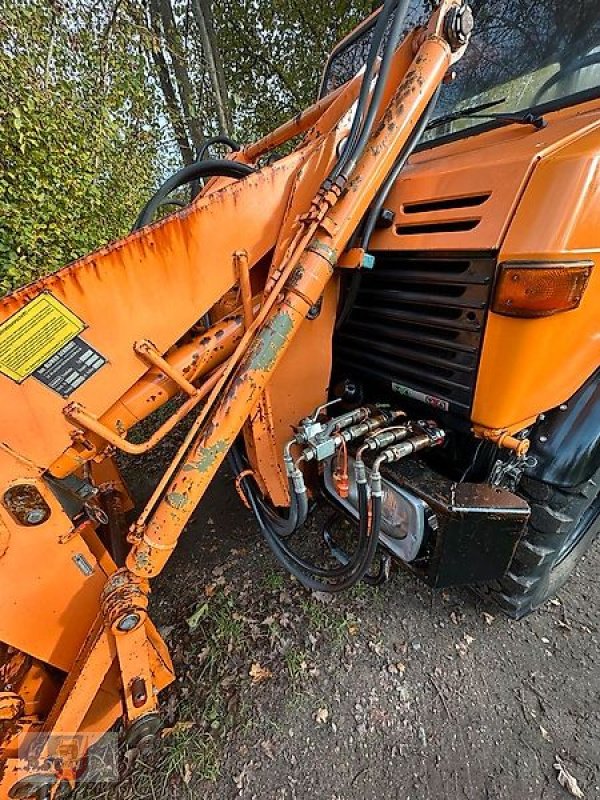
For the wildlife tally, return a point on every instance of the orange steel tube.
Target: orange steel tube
(80, 416)
(302, 290)
(243, 270)
(293, 127)
(201, 356)
(151, 355)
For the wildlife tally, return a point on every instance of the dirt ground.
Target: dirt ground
(395, 693)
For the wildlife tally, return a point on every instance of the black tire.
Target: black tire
(562, 527)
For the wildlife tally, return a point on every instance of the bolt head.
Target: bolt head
(386, 218)
(128, 623)
(35, 516)
(467, 21)
(459, 25)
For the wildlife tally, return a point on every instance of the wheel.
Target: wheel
(562, 527)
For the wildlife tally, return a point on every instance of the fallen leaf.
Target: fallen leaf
(177, 728)
(259, 674)
(353, 630)
(566, 780)
(323, 597)
(376, 647)
(210, 589)
(267, 749)
(322, 715)
(545, 735)
(489, 618)
(240, 779)
(194, 620)
(462, 647)
(187, 774)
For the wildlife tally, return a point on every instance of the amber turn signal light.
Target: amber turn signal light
(531, 289)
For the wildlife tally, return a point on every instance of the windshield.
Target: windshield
(525, 53)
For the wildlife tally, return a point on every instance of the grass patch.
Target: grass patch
(188, 754)
(296, 664)
(273, 581)
(337, 626)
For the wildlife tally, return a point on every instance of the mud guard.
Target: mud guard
(566, 444)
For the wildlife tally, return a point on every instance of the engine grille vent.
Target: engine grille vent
(417, 326)
(425, 217)
(444, 226)
(446, 203)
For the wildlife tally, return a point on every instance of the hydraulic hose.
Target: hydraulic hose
(340, 555)
(203, 152)
(375, 211)
(388, 54)
(348, 575)
(372, 218)
(210, 168)
(344, 576)
(363, 98)
(297, 516)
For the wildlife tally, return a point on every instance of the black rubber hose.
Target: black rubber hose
(298, 513)
(407, 151)
(305, 577)
(299, 568)
(342, 577)
(203, 153)
(224, 140)
(340, 555)
(343, 569)
(365, 88)
(383, 573)
(373, 215)
(382, 79)
(211, 168)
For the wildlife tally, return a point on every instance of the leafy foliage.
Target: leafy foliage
(275, 51)
(97, 100)
(79, 132)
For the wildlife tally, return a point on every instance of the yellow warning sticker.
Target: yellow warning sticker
(34, 334)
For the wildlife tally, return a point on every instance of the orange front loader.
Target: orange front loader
(91, 350)
(256, 306)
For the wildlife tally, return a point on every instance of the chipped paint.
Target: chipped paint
(176, 500)
(208, 456)
(269, 342)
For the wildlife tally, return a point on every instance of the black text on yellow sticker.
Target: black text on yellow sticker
(34, 334)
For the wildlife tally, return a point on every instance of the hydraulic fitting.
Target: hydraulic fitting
(385, 438)
(358, 431)
(429, 436)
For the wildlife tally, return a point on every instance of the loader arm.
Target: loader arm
(206, 304)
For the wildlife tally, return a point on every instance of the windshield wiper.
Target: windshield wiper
(524, 118)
